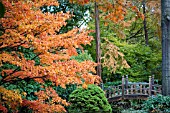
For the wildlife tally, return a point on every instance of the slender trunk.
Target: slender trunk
(98, 51)
(165, 24)
(144, 23)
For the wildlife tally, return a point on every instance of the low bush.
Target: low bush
(89, 100)
(157, 104)
(154, 104)
(133, 111)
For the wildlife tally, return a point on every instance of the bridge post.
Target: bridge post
(126, 82)
(102, 86)
(123, 81)
(152, 81)
(150, 86)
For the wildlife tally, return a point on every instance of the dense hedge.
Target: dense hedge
(90, 100)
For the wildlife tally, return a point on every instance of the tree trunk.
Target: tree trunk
(165, 24)
(144, 23)
(98, 51)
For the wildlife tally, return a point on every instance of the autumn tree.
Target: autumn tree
(111, 12)
(2, 10)
(144, 31)
(25, 26)
(77, 10)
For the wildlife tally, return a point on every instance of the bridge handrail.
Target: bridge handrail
(127, 88)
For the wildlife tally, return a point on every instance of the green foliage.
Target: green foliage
(28, 87)
(90, 100)
(82, 57)
(128, 106)
(62, 92)
(91, 48)
(8, 66)
(135, 32)
(116, 83)
(157, 104)
(143, 61)
(119, 106)
(29, 54)
(2, 10)
(65, 92)
(77, 10)
(25, 87)
(154, 104)
(134, 111)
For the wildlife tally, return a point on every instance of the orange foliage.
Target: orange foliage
(3, 109)
(84, 86)
(12, 99)
(116, 10)
(48, 102)
(25, 25)
(113, 62)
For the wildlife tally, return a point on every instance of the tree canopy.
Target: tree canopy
(26, 27)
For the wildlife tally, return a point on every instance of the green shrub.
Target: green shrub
(90, 100)
(22, 86)
(133, 111)
(65, 92)
(157, 104)
(118, 106)
(154, 104)
(82, 57)
(130, 106)
(115, 83)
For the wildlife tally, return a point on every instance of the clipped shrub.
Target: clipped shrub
(89, 100)
(157, 104)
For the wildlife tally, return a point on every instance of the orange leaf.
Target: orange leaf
(84, 86)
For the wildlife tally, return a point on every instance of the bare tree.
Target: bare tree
(98, 51)
(165, 22)
(144, 23)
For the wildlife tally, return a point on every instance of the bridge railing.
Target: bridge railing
(113, 91)
(137, 88)
(132, 90)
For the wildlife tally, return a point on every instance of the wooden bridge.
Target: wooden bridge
(128, 90)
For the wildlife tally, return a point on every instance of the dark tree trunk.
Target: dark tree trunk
(98, 51)
(144, 23)
(165, 24)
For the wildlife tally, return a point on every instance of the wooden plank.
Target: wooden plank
(136, 96)
(116, 98)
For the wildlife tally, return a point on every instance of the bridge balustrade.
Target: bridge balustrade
(137, 90)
